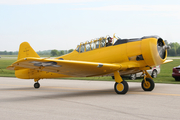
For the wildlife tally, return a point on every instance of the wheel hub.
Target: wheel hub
(120, 87)
(146, 84)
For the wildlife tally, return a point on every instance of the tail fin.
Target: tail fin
(25, 50)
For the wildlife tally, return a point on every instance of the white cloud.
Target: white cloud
(24, 2)
(136, 8)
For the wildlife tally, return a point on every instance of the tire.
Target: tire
(177, 79)
(132, 76)
(149, 86)
(36, 85)
(121, 88)
(154, 74)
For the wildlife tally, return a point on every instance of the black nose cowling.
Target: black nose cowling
(162, 48)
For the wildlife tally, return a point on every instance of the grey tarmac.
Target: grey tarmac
(60, 99)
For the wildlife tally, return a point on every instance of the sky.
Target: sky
(63, 24)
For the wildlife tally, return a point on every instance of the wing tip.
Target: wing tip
(11, 67)
(167, 61)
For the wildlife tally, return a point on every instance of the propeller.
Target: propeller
(162, 48)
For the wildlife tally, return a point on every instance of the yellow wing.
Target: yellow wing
(66, 67)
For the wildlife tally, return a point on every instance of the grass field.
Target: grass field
(4, 62)
(165, 75)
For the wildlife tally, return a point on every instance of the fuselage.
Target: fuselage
(144, 52)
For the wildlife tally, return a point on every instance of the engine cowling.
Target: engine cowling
(154, 50)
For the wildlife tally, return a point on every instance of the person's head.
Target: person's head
(109, 39)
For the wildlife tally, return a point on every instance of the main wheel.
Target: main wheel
(149, 85)
(36, 85)
(121, 88)
(154, 74)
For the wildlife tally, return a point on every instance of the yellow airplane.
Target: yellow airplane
(99, 57)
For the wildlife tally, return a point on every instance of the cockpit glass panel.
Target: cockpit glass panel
(97, 44)
(77, 49)
(82, 48)
(88, 47)
(93, 45)
(103, 42)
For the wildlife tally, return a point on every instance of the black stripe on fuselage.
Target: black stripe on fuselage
(123, 41)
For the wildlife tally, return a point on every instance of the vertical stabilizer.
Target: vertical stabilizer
(25, 50)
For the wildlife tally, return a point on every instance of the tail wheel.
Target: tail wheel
(148, 85)
(36, 85)
(121, 88)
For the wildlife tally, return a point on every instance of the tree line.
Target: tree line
(60, 52)
(175, 48)
(8, 53)
(44, 52)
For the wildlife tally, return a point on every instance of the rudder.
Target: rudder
(25, 50)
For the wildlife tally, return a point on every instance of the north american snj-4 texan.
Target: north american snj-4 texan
(105, 56)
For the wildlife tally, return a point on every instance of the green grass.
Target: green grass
(8, 56)
(165, 75)
(4, 62)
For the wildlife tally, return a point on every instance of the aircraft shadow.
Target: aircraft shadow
(60, 94)
(14, 89)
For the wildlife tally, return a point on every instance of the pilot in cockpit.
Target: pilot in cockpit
(109, 42)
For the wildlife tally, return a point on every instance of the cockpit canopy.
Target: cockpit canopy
(95, 44)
